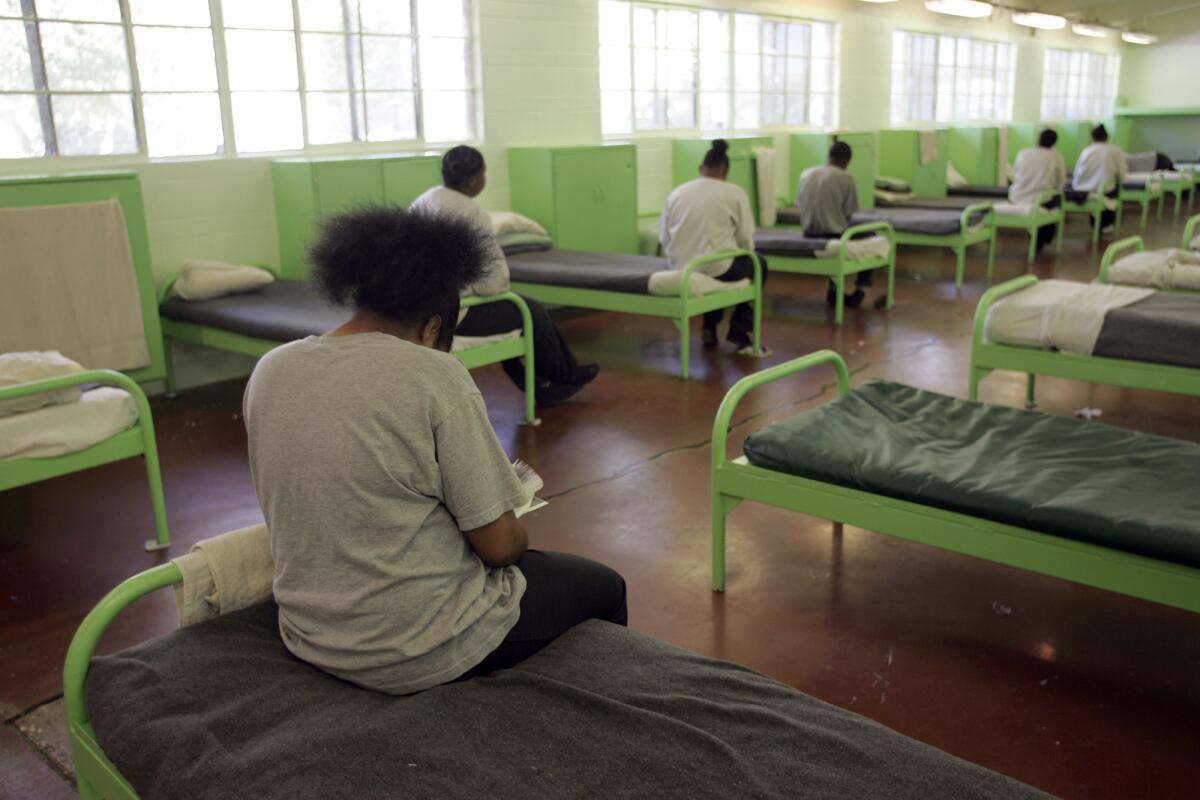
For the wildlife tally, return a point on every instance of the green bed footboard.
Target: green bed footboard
(1130, 243)
(95, 775)
(958, 242)
(1189, 231)
(734, 481)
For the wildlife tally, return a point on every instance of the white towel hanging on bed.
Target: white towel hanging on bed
(223, 574)
(929, 147)
(764, 169)
(69, 285)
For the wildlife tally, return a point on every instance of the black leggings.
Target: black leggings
(741, 322)
(553, 361)
(561, 591)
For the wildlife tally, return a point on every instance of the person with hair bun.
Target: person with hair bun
(1101, 169)
(705, 216)
(399, 561)
(1035, 170)
(558, 376)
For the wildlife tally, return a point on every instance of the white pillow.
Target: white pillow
(954, 178)
(204, 280)
(511, 222)
(18, 368)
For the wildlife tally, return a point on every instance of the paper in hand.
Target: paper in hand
(532, 483)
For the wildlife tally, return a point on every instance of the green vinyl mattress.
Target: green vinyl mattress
(1085, 481)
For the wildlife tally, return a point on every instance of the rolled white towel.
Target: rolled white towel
(200, 279)
(225, 573)
(667, 284)
(1162, 269)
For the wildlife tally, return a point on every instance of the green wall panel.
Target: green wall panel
(899, 157)
(975, 153)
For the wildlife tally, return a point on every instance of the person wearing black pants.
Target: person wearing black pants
(557, 374)
(1046, 233)
(561, 591)
(741, 321)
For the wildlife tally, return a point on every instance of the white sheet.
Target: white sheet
(1160, 269)
(858, 249)
(60, 430)
(72, 269)
(1060, 315)
(954, 178)
(764, 172)
(1014, 209)
(1196, 243)
(667, 284)
(1152, 180)
(470, 342)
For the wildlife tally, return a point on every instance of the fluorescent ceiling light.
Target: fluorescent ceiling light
(881, 2)
(1094, 31)
(960, 8)
(1032, 19)
(1138, 38)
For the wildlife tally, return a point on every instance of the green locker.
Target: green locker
(585, 197)
(900, 157)
(1021, 136)
(975, 153)
(687, 155)
(306, 189)
(812, 149)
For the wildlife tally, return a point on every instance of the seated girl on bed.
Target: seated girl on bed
(559, 375)
(399, 564)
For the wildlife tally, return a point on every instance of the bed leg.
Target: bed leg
(86, 792)
(977, 374)
(1062, 229)
(1096, 229)
(684, 340)
(960, 255)
(991, 265)
(1145, 213)
(1033, 237)
(839, 303)
(719, 511)
(891, 283)
(838, 528)
(1030, 389)
(162, 536)
(168, 348)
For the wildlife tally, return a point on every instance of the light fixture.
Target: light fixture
(960, 8)
(1033, 19)
(1138, 38)
(881, 2)
(1093, 31)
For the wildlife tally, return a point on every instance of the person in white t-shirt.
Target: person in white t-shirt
(705, 216)
(1101, 169)
(1036, 170)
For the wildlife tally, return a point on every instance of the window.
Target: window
(105, 77)
(942, 79)
(1078, 84)
(670, 68)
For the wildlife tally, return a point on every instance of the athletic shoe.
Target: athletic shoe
(855, 300)
(554, 394)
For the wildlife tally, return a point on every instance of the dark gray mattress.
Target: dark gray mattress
(282, 311)
(1162, 329)
(989, 192)
(929, 221)
(610, 272)
(787, 242)
(222, 710)
(788, 215)
(958, 203)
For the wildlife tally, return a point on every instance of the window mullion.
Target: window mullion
(224, 93)
(300, 82)
(354, 40)
(418, 85)
(37, 63)
(135, 81)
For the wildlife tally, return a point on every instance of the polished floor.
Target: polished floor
(1077, 691)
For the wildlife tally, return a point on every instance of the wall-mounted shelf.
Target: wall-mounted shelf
(1161, 111)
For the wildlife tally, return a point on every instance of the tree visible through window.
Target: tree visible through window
(670, 68)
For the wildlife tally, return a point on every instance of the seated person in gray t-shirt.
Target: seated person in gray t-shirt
(399, 564)
(828, 198)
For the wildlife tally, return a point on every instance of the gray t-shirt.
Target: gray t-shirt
(370, 456)
(827, 198)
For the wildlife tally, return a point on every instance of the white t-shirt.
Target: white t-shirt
(1036, 170)
(706, 216)
(1100, 168)
(441, 200)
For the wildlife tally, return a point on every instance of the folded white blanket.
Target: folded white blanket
(1161, 269)
(667, 284)
(1196, 243)
(858, 249)
(507, 222)
(204, 280)
(63, 429)
(223, 574)
(1152, 180)
(18, 368)
(469, 342)
(1014, 209)
(1060, 315)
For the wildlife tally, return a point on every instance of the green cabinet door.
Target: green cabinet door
(743, 172)
(595, 193)
(343, 184)
(405, 179)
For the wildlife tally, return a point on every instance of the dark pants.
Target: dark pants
(1109, 216)
(741, 322)
(1046, 233)
(552, 359)
(561, 591)
(861, 279)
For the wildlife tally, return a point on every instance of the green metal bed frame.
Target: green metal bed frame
(1152, 191)
(988, 356)
(1094, 207)
(95, 776)
(1039, 217)
(138, 440)
(736, 480)
(1132, 244)
(966, 236)
(1178, 187)
(216, 338)
(681, 309)
(838, 268)
(1189, 232)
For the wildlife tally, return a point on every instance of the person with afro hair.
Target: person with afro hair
(399, 561)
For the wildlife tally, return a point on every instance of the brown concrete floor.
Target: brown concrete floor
(1077, 691)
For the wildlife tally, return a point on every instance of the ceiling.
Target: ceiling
(1118, 13)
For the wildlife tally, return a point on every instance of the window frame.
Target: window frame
(217, 29)
(1094, 100)
(730, 53)
(1009, 80)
